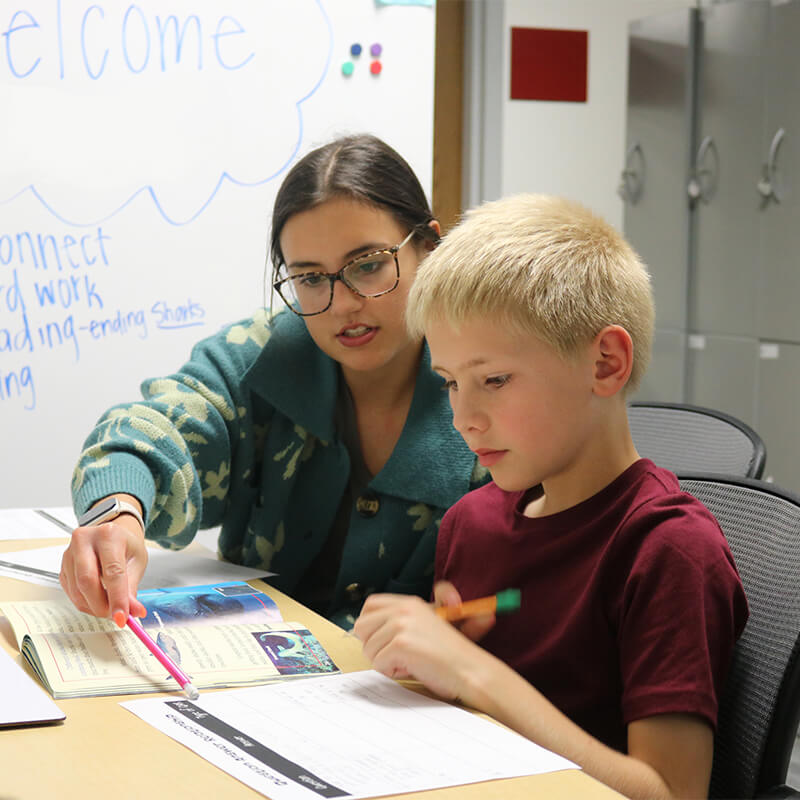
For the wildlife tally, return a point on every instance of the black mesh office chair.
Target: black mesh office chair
(685, 438)
(760, 703)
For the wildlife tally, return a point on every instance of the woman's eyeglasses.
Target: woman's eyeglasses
(370, 275)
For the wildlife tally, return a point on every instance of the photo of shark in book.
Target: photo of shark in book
(295, 652)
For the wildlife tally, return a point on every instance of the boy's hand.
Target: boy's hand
(475, 628)
(403, 637)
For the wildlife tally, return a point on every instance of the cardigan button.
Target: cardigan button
(368, 504)
(356, 593)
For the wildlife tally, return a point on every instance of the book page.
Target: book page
(225, 634)
(42, 616)
(231, 601)
(115, 661)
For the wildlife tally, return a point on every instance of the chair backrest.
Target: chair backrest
(684, 438)
(760, 703)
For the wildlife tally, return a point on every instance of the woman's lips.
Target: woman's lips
(356, 335)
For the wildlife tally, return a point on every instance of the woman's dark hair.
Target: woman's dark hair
(361, 167)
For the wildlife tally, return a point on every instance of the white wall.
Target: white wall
(571, 149)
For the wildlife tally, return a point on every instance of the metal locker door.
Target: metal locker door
(722, 295)
(778, 420)
(779, 274)
(723, 371)
(653, 181)
(664, 379)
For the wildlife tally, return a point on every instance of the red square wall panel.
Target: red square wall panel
(549, 64)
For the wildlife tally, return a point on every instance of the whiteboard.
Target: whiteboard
(141, 148)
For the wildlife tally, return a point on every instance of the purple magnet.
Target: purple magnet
(375, 50)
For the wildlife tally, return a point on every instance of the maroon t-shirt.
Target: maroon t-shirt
(631, 602)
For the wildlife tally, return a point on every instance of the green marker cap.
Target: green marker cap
(508, 601)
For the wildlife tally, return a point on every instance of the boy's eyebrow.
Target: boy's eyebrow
(473, 362)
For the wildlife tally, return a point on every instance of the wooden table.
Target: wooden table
(102, 750)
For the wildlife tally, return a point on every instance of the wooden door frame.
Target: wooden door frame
(448, 112)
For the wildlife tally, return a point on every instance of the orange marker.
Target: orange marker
(500, 603)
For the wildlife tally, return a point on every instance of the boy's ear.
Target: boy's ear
(612, 351)
(431, 245)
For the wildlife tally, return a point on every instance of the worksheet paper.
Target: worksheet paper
(31, 523)
(357, 734)
(194, 566)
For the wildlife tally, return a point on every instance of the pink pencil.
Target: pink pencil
(169, 665)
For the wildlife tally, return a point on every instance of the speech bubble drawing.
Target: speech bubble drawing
(163, 101)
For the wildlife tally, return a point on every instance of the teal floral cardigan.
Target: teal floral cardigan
(243, 437)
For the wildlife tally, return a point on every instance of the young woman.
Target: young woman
(318, 438)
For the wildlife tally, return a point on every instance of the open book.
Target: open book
(224, 634)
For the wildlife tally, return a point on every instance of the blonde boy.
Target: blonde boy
(539, 318)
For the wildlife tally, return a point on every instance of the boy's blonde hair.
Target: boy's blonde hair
(544, 266)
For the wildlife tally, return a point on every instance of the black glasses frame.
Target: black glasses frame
(339, 276)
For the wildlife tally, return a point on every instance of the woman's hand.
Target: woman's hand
(404, 637)
(103, 565)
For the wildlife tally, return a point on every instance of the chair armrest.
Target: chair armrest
(778, 793)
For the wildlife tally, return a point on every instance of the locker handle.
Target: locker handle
(632, 177)
(769, 186)
(703, 182)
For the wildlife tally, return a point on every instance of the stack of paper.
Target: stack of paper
(22, 702)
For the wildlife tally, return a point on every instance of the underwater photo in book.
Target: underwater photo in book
(209, 604)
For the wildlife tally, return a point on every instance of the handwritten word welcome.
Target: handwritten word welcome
(85, 43)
